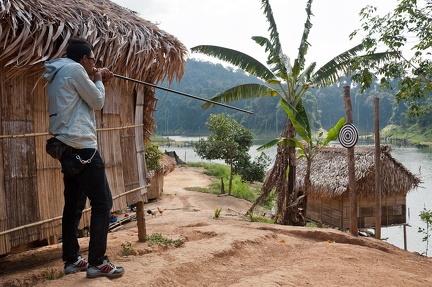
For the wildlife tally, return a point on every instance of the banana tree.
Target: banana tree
(289, 80)
(307, 149)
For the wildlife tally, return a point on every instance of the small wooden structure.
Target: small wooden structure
(328, 200)
(31, 32)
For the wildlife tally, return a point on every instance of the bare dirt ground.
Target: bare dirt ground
(228, 251)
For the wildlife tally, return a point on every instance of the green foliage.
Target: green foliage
(254, 171)
(217, 212)
(128, 249)
(229, 141)
(311, 224)
(158, 239)
(323, 106)
(426, 217)
(407, 27)
(153, 155)
(52, 274)
(253, 218)
(240, 188)
(269, 202)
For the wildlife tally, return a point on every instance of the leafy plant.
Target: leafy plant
(152, 156)
(52, 274)
(217, 212)
(426, 217)
(128, 249)
(158, 239)
(253, 218)
(229, 141)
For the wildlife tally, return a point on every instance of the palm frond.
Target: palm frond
(242, 92)
(333, 133)
(307, 73)
(299, 119)
(304, 44)
(276, 56)
(270, 144)
(238, 59)
(330, 72)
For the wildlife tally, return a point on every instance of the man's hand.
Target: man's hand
(103, 74)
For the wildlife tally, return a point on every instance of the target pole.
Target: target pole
(351, 167)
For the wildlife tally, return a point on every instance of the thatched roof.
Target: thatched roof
(32, 32)
(329, 173)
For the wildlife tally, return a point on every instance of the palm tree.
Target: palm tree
(290, 81)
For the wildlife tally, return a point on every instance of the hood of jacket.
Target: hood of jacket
(54, 66)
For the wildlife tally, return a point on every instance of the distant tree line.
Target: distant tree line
(179, 115)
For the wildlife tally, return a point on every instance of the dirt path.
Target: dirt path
(231, 251)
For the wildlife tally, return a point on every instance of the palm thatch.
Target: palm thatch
(35, 31)
(329, 173)
(32, 32)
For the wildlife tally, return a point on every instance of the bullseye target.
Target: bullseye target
(348, 135)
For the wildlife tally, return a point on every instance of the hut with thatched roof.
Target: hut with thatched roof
(328, 198)
(31, 32)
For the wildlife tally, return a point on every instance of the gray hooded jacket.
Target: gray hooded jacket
(72, 99)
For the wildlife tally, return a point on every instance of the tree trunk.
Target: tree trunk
(231, 177)
(276, 179)
(290, 212)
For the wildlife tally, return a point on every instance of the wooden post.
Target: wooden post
(351, 168)
(377, 171)
(405, 235)
(140, 214)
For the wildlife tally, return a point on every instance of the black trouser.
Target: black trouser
(92, 184)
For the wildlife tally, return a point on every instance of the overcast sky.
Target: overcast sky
(232, 23)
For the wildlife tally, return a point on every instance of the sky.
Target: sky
(232, 23)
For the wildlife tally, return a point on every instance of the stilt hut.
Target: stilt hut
(328, 199)
(31, 32)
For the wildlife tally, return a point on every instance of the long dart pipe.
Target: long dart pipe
(181, 93)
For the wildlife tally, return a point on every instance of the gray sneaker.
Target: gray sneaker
(80, 265)
(106, 269)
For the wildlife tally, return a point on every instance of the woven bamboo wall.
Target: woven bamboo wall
(31, 198)
(330, 210)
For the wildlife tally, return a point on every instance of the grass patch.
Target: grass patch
(52, 274)
(158, 239)
(127, 249)
(253, 218)
(311, 224)
(244, 190)
(415, 133)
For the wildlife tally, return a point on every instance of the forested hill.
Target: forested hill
(180, 115)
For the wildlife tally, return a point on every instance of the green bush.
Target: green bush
(153, 155)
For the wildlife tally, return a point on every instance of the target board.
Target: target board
(348, 135)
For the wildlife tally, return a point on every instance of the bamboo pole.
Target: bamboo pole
(351, 167)
(47, 134)
(60, 217)
(377, 171)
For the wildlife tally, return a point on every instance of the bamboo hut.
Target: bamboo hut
(31, 32)
(328, 198)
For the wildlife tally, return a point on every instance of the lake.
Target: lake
(418, 161)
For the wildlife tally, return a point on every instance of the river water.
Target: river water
(418, 161)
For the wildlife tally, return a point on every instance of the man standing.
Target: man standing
(75, 89)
